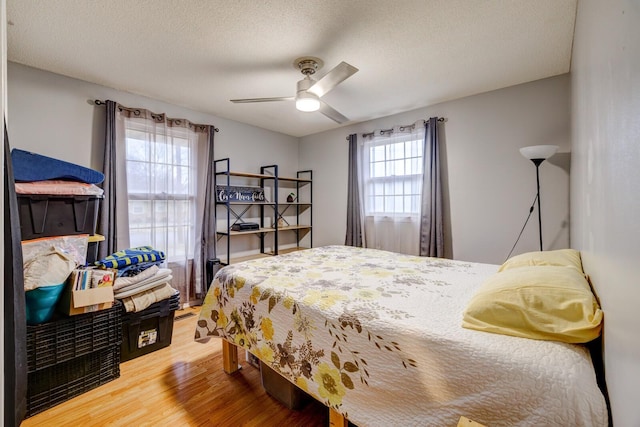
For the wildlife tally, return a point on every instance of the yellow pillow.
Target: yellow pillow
(560, 257)
(541, 302)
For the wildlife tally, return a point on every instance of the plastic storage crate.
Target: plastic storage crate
(56, 384)
(67, 338)
(148, 330)
(92, 252)
(44, 215)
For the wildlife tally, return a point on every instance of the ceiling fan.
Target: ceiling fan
(310, 91)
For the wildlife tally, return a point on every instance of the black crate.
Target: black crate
(43, 215)
(69, 337)
(211, 268)
(56, 384)
(92, 252)
(148, 330)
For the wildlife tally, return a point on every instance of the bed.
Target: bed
(377, 337)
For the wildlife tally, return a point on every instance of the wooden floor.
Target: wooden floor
(181, 385)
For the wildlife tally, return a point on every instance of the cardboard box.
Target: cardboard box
(282, 389)
(87, 300)
(88, 290)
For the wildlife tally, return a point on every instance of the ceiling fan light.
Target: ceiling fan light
(307, 102)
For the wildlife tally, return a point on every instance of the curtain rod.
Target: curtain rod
(122, 107)
(440, 119)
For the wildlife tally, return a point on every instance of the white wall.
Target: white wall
(605, 183)
(55, 116)
(490, 185)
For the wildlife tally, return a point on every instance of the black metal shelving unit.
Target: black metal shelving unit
(268, 177)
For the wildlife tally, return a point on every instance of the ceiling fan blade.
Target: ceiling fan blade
(332, 114)
(341, 72)
(247, 100)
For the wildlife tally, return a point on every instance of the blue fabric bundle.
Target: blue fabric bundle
(131, 256)
(135, 269)
(30, 167)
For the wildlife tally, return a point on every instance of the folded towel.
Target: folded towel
(163, 275)
(59, 187)
(140, 301)
(149, 284)
(121, 282)
(29, 166)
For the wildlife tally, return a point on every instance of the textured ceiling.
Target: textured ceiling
(200, 54)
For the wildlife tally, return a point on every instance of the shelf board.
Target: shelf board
(246, 174)
(265, 203)
(264, 230)
(240, 233)
(264, 176)
(294, 227)
(246, 203)
(302, 180)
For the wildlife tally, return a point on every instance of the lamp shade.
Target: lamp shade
(539, 152)
(306, 101)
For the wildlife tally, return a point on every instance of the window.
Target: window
(393, 181)
(161, 176)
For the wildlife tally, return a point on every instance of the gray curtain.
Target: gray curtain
(208, 246)
(15, 318)
(431, 229)
(107, 225)
(354, 207)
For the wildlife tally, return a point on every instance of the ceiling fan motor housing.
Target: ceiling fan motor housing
(305, 84)
(308, 64)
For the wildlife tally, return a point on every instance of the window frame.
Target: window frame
(175, 250)
(411, 182)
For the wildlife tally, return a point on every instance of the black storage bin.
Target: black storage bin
(56, 384)
(44, 215)
(64, 339)
(148, 330)
(92, 252)
(211, 268)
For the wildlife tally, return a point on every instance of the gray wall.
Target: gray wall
(605, 183)
(54, 115)
(490, 185)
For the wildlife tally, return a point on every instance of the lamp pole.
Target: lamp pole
(537, 162)
(538, 154)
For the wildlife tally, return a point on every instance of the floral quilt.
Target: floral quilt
(377, 336)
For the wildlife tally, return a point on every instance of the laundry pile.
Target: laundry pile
(140, 279)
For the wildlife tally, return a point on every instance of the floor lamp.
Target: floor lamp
(538, 154)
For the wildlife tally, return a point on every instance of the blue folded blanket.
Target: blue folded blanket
(132, 256)
(29, 166)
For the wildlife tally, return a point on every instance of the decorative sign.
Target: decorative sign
(239, 194)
